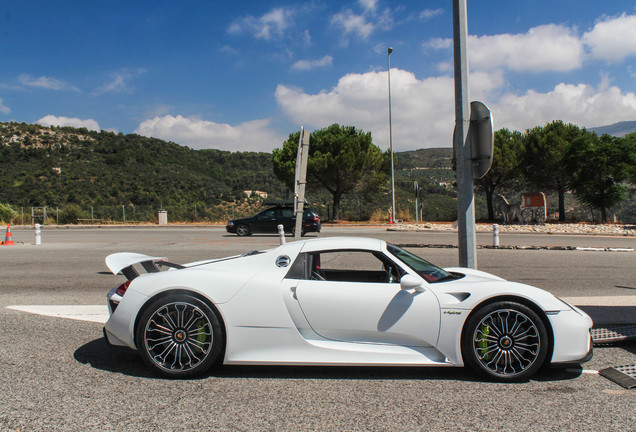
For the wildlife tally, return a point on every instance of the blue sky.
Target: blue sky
(242, 75)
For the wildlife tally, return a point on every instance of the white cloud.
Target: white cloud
(119, 81)
(580, 104)
(368, 5)
(44, 82)
(352, 23)
(254, 135)
(272, 24)
(612, 39)
(51, 120)
(423, 112)
(3, 108)
(544, 48)
(301, 65)
(430, 13)
(439, 43)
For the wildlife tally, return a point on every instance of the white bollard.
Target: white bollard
(281, 234)
(38, 234)
(495, 235)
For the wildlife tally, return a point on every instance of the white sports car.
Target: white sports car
(338, 301)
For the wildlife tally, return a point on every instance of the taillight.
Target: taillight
(316, 218)
(121, 289)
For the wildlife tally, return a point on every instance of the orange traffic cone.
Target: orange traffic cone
(8, 239)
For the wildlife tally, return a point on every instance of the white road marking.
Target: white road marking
(92, 313)
(583, 371)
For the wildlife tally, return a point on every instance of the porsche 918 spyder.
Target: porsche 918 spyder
(337, 301)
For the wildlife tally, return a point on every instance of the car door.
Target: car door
(355, 304)
(265, 221)
(287, 218)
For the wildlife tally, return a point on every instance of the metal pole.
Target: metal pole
(301, 181)
(465, 193)
(392, 220)
(417, 192)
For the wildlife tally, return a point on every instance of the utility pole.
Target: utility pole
(465, 193)
(388, 60)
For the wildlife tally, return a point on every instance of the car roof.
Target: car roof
(328, 243)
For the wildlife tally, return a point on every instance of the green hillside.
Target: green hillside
(53, 167)
(107, 176)
(82, 175)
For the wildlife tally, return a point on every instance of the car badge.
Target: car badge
(283, 261)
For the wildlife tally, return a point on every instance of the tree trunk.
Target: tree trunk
(336, 206)
(561, 204)
(490, 204)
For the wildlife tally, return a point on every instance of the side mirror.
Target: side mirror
(410, 282)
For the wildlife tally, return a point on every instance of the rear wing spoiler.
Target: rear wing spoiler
(124, 261)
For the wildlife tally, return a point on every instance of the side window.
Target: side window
(353, 266)
(267, 214)
(286, 212)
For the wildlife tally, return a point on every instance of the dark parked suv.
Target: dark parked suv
(268, 220)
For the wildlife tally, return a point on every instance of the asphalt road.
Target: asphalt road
(58, 374)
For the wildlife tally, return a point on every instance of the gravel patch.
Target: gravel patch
(568, 228)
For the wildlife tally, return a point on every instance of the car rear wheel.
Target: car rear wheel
(505, 341)
(302, 232)
(243, 230)
(180, 336)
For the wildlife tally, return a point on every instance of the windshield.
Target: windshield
(430, 272)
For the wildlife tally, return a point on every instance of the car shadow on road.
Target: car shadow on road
(422, 373)
(100, 355)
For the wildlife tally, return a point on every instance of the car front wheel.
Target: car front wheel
(243, 230)
(180, 336)
(505, 341)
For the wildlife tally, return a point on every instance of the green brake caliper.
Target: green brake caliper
(202, 335)
(482, 342)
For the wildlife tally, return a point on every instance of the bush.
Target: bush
(70, 213)
(7, 214)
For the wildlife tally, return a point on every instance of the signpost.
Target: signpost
(473, 141)
(301, 180)
(465, 194)
(482, 139)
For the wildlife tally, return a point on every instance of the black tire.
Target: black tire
(243, 230)
(180, 336)
(505, 341)
(302, 232)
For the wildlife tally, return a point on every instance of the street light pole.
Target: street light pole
(392, 219)
(465, 194)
